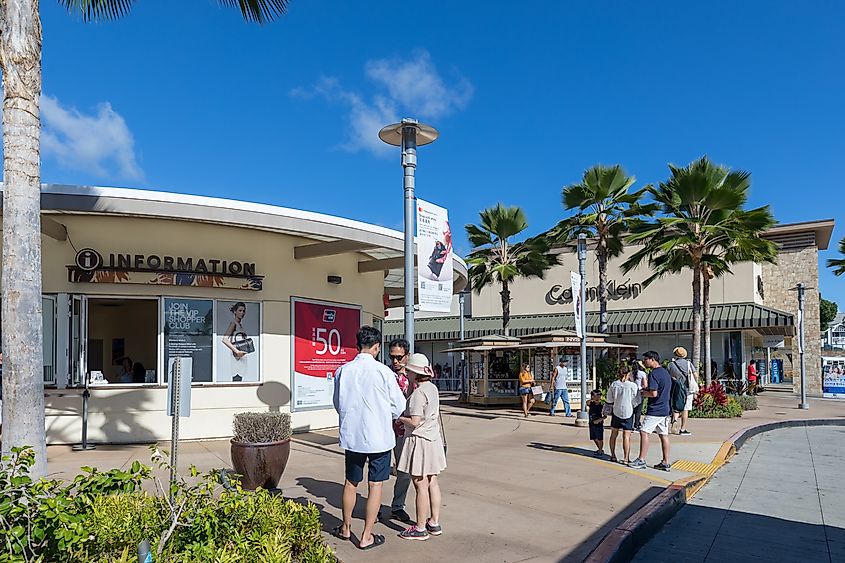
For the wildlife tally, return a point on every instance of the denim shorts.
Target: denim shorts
(524, 390)
(378, 471)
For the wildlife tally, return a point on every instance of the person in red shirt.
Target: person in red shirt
(398, 353)
(752, 377)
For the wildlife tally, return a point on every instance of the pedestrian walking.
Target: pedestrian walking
(368, 400)
(595, 412)
(622, 395)
(683, 373)
(526, 382)
(641, 379)
(658, 416)
(424, 455)
(557, 388)
(398, 350)
(752, 377)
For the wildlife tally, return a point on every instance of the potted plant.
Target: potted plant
(260, 448)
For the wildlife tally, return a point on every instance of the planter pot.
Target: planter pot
(260, 465)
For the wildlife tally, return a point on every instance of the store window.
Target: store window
(238, 328)
(122, 341)
(189, 334)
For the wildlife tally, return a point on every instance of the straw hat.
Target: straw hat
(418, 363)
(680, 352)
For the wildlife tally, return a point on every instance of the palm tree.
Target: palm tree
(704, 229)
(606, 208)
(496, 259)
(20, 61)
(838, 264)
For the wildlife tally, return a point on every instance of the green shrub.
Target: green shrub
(730, 410)
(102, 517)
(747, 402)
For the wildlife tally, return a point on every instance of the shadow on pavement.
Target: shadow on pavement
(699, 534)
(579, 553)
(566, 450)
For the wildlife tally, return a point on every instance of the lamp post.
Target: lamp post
(803, 405)
(409, 134)
(464, 370)
(582, 418)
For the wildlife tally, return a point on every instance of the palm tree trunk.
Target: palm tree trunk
(696, 316)
(708, 352)
(23, 373)
(602, 259)
(506, 307)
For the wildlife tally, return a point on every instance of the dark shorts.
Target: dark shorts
(596, 431)
(622, 423)
(379, 467)
(524, 390)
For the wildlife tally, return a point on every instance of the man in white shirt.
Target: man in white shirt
(368, 400)
(558, 390)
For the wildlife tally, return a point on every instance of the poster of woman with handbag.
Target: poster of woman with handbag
(237, 358)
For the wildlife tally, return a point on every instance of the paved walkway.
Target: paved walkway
(780, 499)
(516, 489)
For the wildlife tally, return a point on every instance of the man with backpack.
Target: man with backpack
(658, 414)
(684, 388)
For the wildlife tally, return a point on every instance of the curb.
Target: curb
(622, 543)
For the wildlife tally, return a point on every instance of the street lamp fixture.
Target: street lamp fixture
(409, 134)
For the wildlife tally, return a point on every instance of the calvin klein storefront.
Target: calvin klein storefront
(259, 303)
(753, 310)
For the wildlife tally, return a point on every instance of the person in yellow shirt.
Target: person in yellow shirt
(526, 381)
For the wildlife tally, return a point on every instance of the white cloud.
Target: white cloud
(412, 86)
(99, 143)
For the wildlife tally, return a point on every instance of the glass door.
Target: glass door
(78, 332)
(48, 327)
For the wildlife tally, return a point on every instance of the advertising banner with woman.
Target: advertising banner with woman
(434, 258)
(238, 341)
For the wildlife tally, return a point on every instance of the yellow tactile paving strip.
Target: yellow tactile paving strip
(696, 467)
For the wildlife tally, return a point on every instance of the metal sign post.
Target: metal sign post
(179, 405)
(803, 405)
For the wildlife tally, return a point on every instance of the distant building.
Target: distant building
(834, 336)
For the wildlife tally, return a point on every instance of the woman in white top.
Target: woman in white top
(622, 395)
(239, 360)
(423, 456)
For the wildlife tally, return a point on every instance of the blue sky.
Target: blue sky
(185, 97)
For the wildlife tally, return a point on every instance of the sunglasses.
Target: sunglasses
(397, 358)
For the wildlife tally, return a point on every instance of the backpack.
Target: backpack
(679, 391)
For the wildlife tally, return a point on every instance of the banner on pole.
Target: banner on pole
(434, 258)
(800, 329)
(575, 278)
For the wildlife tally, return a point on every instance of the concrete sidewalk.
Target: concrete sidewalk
(778, 500)
(516, 489)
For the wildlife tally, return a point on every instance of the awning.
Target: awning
(738, 316)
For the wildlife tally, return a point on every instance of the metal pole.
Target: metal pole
(804, 405)
(85, 446)
(176, 381)
(461, 297)
(582, 419)
(409, 164)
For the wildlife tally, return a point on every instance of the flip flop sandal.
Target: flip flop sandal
(378, 540)
(336, 532)
(613, 460)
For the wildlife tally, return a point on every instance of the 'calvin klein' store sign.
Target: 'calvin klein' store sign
(154, 269)
(559, 295)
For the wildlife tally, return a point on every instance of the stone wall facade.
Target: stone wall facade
(779, 281)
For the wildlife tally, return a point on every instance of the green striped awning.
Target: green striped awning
(736, 316)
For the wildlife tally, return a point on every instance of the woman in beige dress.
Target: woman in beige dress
(423, 456)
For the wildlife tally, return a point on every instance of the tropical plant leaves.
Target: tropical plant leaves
(258, 11)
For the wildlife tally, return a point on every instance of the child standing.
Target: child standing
(424, 455)
(594, 410)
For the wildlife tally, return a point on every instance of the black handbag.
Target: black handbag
(436, 254)
(243, 343)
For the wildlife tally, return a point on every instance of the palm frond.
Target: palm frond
(257, 11)
(838, 264)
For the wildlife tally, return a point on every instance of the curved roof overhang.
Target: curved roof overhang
(380, 248)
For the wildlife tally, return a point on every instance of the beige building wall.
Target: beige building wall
(131, 413)
(531, 296)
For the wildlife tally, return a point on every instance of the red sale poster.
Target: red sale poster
(323, 340)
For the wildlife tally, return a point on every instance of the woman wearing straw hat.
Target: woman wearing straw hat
(424, 455)
(681, 369)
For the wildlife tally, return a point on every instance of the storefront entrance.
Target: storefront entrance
(122, 340)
